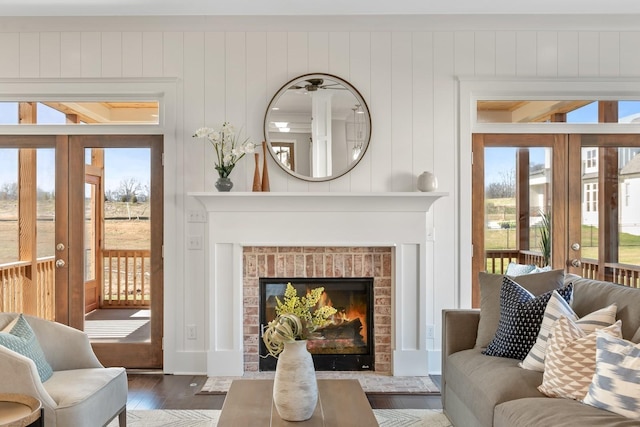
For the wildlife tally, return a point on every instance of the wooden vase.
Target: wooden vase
(265, 171)
(257, 184)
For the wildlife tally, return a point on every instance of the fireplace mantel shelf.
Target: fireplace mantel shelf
(317, 202)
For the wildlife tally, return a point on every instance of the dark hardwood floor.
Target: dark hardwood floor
(159, 391)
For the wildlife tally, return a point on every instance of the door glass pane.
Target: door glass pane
(590, 204)
(629, 205)
(500, 201)
(46, 203)
(540, 190)
(90, 194)
(121, 200)
(27, 230)
(8, 205)
(613, 255)
(503, 243)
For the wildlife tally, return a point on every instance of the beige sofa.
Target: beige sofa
(80, 393)
(480, 390)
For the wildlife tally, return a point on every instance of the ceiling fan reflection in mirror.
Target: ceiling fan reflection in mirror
(328, 123)
(315, 84)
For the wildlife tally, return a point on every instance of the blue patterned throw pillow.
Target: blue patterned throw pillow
(20, 338)
(616, 383)
(515, 269)
(521, 315)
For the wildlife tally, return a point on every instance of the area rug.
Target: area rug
(209, 418)
(370, 382)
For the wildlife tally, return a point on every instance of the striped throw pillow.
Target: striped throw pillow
(616, 383)
(556, 307)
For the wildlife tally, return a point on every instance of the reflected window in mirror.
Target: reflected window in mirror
(285, 153)
(326, 119)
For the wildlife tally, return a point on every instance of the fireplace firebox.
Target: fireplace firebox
(346, 343)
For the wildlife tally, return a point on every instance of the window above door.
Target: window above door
(551, 111)
(141, 112)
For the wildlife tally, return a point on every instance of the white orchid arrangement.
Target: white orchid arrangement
(228, 146)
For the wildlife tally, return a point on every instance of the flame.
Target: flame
(350, 313)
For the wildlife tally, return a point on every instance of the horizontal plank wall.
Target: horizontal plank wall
(405, 68)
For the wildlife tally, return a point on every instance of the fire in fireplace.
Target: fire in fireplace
(345, 344)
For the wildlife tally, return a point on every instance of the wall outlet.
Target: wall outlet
(191, 332)
(196, 216)
(430, 332)
(194, 243)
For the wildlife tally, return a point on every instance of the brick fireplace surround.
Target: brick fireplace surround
(318, 262)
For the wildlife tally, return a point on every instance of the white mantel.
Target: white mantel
(397, 220)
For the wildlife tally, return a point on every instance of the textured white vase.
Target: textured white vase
(427, 182)
(295, 389)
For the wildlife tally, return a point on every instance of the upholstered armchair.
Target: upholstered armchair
(80, 392)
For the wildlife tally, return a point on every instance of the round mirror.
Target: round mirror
(317, 127)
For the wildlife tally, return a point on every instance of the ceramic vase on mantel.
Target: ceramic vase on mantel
(224, 184)
(295, 388)
(427, 181)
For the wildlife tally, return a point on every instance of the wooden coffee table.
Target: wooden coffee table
(340, 403)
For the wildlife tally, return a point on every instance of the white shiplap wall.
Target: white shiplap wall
(405, 67)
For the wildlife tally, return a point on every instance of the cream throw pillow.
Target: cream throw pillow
(570, 361)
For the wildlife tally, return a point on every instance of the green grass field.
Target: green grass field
(503, 210)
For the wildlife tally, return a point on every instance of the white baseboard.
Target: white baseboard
(435, 362)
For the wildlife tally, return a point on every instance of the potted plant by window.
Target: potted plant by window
(295, 390)
(545, 237)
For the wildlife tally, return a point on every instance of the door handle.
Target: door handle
(576, 263)
(60, 263)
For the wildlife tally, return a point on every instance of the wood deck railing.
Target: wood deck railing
(15, 277)
(623, 274)
(126, 282)
(498, 260)
(126, 278)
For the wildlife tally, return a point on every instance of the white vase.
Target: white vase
(295, 389)
(427, 182)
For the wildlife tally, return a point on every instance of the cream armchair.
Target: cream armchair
(81, 392)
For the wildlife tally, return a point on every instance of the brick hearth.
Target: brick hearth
(308, 262)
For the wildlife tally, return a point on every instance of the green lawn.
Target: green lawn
(503, 211)
(629, 250)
